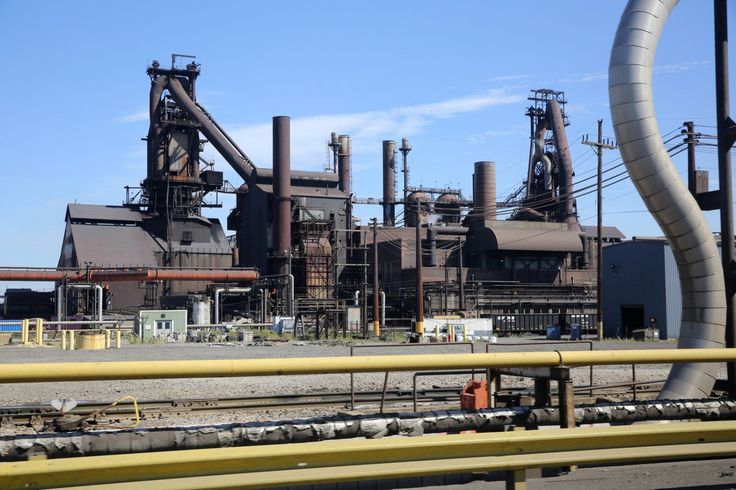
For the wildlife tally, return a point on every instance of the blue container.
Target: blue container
(553, 332)
(575, 331)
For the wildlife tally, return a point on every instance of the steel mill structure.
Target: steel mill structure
(299, 249)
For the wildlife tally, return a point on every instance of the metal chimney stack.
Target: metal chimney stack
(343, 163)
(484, 191)
(389, 182)
(281, 193)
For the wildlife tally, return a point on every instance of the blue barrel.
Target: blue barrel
(575, 331)
(553, 332)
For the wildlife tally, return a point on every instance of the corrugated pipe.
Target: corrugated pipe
(666, 197)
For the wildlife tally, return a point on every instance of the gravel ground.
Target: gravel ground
(232, 387)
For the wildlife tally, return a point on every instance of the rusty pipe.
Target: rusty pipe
(107, 275)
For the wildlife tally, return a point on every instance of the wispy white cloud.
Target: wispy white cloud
(134, 117)
(508, 78)
(659, 69)
(493, 133)
(309, 134)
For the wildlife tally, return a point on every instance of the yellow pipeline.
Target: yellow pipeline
(200, 462)
(352, 473)
(88, 371)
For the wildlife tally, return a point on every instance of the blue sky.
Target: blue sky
(453, 77)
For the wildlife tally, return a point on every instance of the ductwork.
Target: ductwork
(665, 195)
(242, 165)
(540, 155)
(156, 153)
(567, 201)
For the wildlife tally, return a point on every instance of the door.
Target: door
(632, 318)
(162, 328)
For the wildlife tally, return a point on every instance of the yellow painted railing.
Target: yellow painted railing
(87, 371)
(349, 460)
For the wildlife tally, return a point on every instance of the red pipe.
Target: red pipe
(143, 275)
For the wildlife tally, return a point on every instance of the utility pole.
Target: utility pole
(376, 320)
(690, 139)
(598, 147)
(726, 128)
(461, 285)
(420, 286)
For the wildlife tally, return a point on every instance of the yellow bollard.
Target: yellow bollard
(63, 339)
(71, 339)
(39, 331)
(118, 338)
(108, 336)
(24, 332)
(420, 327)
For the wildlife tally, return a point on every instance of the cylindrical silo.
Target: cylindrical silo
(484, 191)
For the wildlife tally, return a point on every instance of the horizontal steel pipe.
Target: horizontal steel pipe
(105, 275)
(199, 462)
(87, 371)
(379, 471)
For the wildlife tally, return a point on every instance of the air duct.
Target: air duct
(567, 202)
(389, 182)
(281, 193)
(156, 153)
(484, 191)
(666, 197)
(244, 167)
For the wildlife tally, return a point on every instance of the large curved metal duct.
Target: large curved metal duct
(155, 149)
(540, 155)
(666, 197)
(557, 123)
(245, 169)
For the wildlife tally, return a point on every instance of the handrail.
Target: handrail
(510, 450)
(89, 371)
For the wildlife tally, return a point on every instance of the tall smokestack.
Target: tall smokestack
(281, 193)
(389, 182)
(343, 163)
(484, 191)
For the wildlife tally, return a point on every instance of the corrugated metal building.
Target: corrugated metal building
(118, 236)
(641, 283)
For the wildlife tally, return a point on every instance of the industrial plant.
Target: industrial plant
(297, 251)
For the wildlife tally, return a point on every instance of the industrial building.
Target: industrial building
(642, 288)
(524, 262)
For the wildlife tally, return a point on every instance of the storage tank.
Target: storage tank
(447, 206)
(416, 200)
(200, 310)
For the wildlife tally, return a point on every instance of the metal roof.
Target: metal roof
(610, 232)
(532, 240)
(90, 213)
(308, 191)
(117, 246)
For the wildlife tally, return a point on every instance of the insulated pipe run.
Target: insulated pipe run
(666, 197)
(356, 297)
